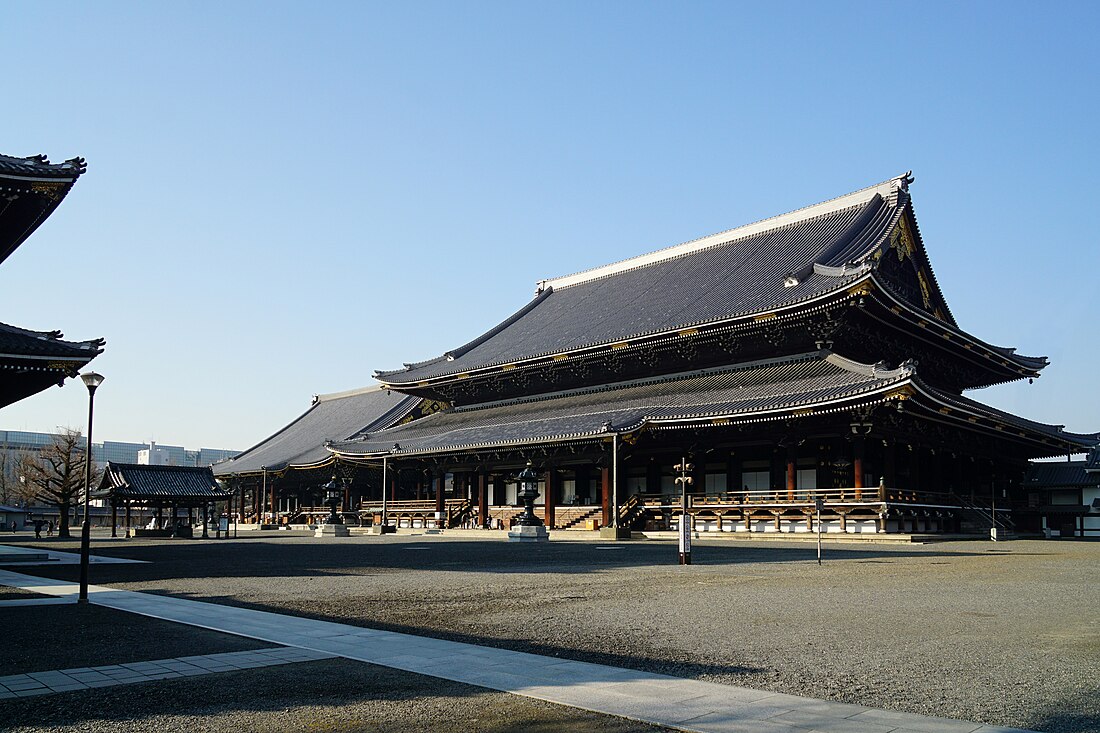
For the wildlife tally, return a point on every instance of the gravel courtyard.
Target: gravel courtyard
(1005, 634)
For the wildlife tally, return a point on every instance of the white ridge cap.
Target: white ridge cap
(347, 393)
(886, 189)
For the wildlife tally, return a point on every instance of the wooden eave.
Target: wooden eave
(931, 330)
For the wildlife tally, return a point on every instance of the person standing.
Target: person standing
(38, 529)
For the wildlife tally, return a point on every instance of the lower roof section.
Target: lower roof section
(787, 388)
(301, 444)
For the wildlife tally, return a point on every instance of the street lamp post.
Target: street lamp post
(91, 381)
(684, 468)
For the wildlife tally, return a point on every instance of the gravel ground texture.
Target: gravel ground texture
(17, 594)
(331, 695)
(1005, 634)
(63, 637)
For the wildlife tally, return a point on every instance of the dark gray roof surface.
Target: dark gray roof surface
(131, 480)
(738, 272)
(331, 417)
(776, 263)
(1092, 463)
(750, 390)
(1061, 474)
(17, 341)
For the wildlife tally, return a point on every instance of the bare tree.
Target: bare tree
(55, 475)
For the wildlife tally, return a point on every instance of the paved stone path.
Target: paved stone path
(686, 704)
(82, 678)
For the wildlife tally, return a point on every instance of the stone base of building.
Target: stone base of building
(526, 533)
(331, 530)
(614, 533)
(381, 529)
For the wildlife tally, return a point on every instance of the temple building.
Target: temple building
(30, 361)
(807, 357)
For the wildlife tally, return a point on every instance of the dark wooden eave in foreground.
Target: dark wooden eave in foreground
(160, 484)
(752, 279)
(30, 189)
(31, 361)
(783, 389)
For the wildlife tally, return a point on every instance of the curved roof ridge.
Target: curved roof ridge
(347, 393)
(879, 370)
(886, 189)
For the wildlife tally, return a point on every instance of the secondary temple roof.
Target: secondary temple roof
(785, 262)
(331, 417)
(173, 483)
(775, 389)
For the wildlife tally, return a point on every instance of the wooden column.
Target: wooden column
(114, 518)
(857, 467)
(127, 517)
(605, 494)
(274, 506)
(483, 498)
(439, 506)
(550, 500)
(792, 475)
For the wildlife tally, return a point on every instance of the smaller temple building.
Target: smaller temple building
(160, 488)
(1067, 496)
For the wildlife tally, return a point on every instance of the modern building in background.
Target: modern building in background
(13, 443)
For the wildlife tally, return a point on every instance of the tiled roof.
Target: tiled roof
(31, 188)
(39, 166)
(1061, 474)
(777, 263)
(330, 417)
(15, 341)
(1092, 460)
(134, 481)
(758, 391)
(1078, 441)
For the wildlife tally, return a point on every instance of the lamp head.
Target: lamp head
(91, 380)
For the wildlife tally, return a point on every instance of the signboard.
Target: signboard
(223, 524)
(685, 536)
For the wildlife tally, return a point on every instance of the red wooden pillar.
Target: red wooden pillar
(857, 467)
(274, 507)
(605, 495)
(792, 475)
(482, 498)
(550, 500)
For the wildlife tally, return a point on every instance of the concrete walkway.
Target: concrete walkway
(653, 698)
(83, 678)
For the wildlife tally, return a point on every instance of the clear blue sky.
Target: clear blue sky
(282, 198)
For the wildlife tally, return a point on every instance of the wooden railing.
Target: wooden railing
(802, 497)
